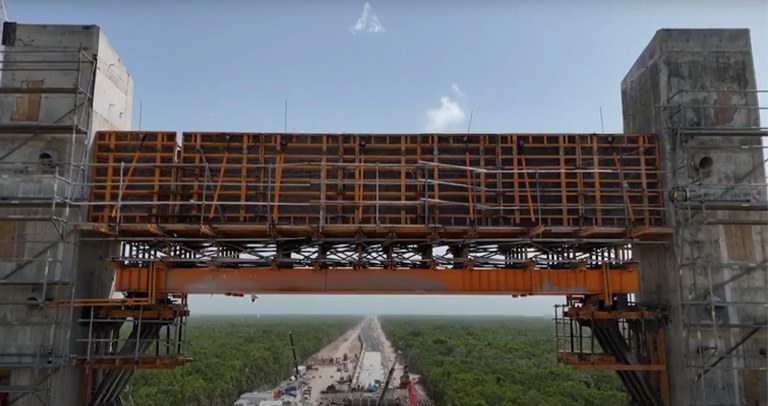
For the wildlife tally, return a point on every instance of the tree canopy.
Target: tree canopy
(233, 355)
(495, 361)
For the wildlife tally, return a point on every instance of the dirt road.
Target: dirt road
(325, 373)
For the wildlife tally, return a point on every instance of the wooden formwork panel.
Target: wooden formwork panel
(444, 180)
(132, 176)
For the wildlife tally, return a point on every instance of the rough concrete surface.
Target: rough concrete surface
(686, 83)
(94, 93)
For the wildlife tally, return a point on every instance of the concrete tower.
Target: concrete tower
(697, 90)
(59, 85)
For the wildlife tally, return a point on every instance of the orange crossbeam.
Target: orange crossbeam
(145, 362)
(251, 280)
(604, 361)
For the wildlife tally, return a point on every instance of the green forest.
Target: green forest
(463, 361)
(495, 361)
(233, 355)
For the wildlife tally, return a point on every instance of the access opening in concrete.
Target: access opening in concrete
(706, 163)
(47, 160)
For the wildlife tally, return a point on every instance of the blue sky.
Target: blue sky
(516, 66)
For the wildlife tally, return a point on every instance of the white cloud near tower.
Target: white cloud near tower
(450, 115)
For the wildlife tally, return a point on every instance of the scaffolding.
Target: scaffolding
(723, 273)
(36, 214)
(620, 336)
(44, 170)
(124, 335)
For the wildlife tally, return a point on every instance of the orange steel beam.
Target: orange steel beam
(627, 202)
(592, 314)
(262, 231)
(218, 185)
(604, 361)
(125, 182)
(527, 188)
(278, 182)
(130, 362)
(254, 280)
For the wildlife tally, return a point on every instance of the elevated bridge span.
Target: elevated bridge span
(480, 214)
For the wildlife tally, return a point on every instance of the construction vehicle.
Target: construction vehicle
(406, 382)
(412, 392)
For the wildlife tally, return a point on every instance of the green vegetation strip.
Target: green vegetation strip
(495, 361)
(234, 355)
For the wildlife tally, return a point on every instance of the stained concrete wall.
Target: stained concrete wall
(47, 56)
(708, 69)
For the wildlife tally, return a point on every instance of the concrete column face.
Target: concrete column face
(695, 88)
(64, 77)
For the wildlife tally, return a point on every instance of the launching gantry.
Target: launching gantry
(480, 214)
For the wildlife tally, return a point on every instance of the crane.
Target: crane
(295, 360)
(411, 394)
(405, 378)
(409, 382)
(389, 379)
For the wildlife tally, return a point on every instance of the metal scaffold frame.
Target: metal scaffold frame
(126, 335)
(41, 216)
(617, 335)
(699, 209)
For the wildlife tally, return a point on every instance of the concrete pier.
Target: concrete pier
(696, 89)
(60, 84)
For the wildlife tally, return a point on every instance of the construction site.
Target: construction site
(656, 238)
(360, 368)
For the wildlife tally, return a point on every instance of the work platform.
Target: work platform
(416, 213)
(483, 214)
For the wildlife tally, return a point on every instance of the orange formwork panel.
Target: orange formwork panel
(472, 181)
(257, 280)
(132, 172)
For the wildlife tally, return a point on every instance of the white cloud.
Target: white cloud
(457, 92)
(368, 22)
(450, 115)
